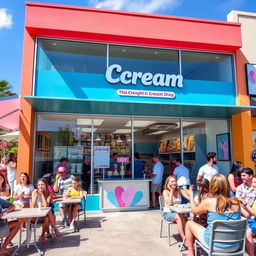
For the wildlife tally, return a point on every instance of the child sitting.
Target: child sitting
(74, 191)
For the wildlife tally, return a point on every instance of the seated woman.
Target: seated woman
(11, 227)
(219, 206)
(3, 168)
(23, 191)
(42, 196)
(234, 177)
(250, 213)
(203, 193)
(172, 195)
(49, 179)
(4, 187)
(74, 191)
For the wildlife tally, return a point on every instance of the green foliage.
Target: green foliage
(5, 89)
(13, 149)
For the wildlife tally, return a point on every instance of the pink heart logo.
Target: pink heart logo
(253, 77)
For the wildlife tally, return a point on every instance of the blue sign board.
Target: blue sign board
(94, 86)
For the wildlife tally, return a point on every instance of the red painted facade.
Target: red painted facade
(131, 28)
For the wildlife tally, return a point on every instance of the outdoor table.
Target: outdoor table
(181, 208)
(27, 213)
(70, 200)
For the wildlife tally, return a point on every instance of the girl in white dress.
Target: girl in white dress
(172, 195)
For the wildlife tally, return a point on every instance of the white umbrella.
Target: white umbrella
(10, 137)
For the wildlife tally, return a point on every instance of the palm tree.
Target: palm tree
(5, 89)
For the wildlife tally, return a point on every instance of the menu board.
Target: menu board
(101, 156)
(59, 152)
(75, 152)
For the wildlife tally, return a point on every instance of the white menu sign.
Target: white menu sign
(101, 156)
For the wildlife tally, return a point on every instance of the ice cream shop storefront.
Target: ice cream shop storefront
(109, 84)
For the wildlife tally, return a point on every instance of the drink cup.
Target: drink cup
(39, 206)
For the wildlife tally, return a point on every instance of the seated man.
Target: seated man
(62, 183)
(6, 228)
(248, 209)
(246, 190)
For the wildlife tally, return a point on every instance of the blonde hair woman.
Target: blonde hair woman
(172, 195)
(76, 192)
(219, 206)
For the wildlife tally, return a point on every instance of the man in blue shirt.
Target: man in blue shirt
(157, 178)
(138, 166)
(7, 229)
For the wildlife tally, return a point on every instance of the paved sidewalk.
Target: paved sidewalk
(112, 234)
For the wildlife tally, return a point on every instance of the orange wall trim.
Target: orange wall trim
(26, 136)
(242, 138)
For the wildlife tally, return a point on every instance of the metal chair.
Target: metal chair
(82, 210)
(225, 232)
(162, 205)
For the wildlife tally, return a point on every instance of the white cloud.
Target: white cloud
(5, 18)
(230, 5)
(147, 6)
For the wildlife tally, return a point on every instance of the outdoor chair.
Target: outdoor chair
(225, 232)
(170, 233)
(82, 210)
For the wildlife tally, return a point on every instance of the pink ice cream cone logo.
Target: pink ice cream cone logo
(121, 198)
(223, 146)
(252, 77)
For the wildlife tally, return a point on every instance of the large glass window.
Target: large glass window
(69, 56)
(144, 59)
(62, 136)
(70, 136)
(76, 138)
(207, 66)
(199, 138)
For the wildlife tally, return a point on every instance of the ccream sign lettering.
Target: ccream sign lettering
(128, 77)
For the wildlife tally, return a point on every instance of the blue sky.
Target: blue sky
(12, 21)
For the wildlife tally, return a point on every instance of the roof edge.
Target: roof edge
(158, 16)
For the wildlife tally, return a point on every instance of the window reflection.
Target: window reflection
(68, 56)
(144, 59)
(206, 66)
